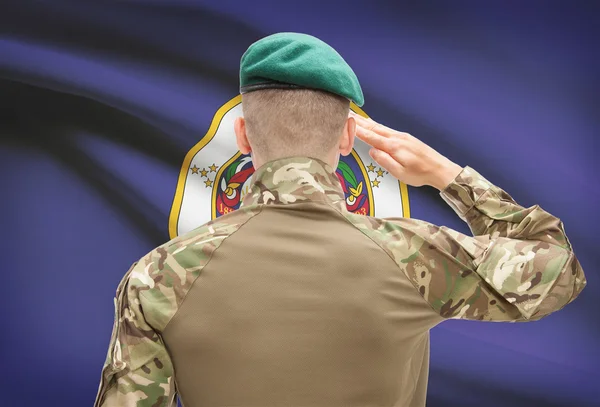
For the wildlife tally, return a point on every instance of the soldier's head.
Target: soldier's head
(296, 92)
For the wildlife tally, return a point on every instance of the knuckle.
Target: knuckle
(411, 162)
(406, 137)
(416, 164)
(395, 144)
(377, 138)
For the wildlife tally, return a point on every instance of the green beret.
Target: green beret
(292, 60)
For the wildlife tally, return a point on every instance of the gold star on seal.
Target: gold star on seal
(194, 169)
(371, 167)
(208, 183)
(203, 172)
(379, 172)
(375, 183)
(213, 168)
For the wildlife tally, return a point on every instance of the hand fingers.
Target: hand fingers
(373, 139)
(371, 124)
(379, 128)
(367, 124)
(386, 161)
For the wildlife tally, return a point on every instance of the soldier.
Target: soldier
(292, 300)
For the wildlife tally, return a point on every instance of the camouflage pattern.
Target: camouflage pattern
(138, 370)
(536, 285)
(295, 180)
(518, 266)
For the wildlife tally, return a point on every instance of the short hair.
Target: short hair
(294, 122)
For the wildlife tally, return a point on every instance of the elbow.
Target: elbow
(565, 288)
(576, 277)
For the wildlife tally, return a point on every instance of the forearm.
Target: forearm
(489, 210)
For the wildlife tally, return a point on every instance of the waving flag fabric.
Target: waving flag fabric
(116, 135)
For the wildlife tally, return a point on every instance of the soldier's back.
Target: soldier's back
(298, 307)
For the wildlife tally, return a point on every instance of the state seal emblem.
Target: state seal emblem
(215, 176)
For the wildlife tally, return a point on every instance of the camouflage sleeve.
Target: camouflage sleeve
(529, 260)
(138, 370)
(518, 266)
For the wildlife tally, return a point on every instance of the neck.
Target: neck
(332, 158)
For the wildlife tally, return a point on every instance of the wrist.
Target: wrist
(445, 175)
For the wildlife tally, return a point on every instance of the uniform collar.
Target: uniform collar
(295, 179)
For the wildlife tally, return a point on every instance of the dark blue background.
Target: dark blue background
(100, 101)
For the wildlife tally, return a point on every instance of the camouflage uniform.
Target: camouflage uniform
(294, 301)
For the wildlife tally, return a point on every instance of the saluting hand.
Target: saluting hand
(405, 157)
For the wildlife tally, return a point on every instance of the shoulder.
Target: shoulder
(385, 231)
(406, 235)
(392, 235)
(208, 236)
(416, 246)
(161, 279)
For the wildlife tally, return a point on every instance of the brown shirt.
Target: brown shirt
(293, 301)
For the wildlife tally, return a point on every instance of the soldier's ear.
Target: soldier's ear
(239, 126)
(347, 139)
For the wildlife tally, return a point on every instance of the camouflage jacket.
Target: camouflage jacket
(517, 266)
